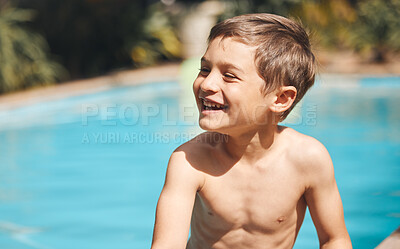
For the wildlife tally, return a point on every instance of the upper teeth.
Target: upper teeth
(212, 104)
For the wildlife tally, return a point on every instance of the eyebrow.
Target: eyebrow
(224, 64)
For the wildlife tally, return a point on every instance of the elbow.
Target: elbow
(342, 243)
(166, 246)
(160, 247)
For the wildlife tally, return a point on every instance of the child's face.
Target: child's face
(228, 89)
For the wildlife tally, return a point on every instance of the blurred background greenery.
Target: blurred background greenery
(50, 41)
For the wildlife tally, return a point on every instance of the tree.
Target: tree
(24, 55)
(377, 28)
(94, 37)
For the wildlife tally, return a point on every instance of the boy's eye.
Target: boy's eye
(230, 76)
(204, 71)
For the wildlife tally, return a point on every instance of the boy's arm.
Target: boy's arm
(324, 202)
(174, 208)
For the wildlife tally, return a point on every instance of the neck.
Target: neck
(251, 145)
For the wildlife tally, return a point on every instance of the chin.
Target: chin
(205, 125)
(212, 126)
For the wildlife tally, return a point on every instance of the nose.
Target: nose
(209, 84)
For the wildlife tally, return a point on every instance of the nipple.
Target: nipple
(281, 219)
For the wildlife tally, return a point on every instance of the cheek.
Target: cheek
(196, 91)
(196, 86)
(256, 106)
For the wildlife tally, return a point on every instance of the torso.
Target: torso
(248, 206)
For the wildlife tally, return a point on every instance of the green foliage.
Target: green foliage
(90, 36)
(328, 19)
(377, 28)
(94, 37)
(370, 27)
(238, 7)
(367, 26)
(159, 39)
(24, 60)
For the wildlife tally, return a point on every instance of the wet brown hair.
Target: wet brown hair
(283, 55)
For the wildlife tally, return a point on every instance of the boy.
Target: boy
(246, 182)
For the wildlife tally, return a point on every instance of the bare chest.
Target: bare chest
(258, 199)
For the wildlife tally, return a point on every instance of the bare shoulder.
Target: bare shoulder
(199, 148)
(309, 154)
(191, 159)
(304, 146)
(203, 141)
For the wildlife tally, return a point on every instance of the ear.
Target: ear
(284, 98)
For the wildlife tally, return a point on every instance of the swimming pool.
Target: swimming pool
(86, 171)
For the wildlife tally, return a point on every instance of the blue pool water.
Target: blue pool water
(86, 171)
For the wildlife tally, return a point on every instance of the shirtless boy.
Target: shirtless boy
(246, 182)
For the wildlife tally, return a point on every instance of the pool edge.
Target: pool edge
(391, 242)
(166, 72)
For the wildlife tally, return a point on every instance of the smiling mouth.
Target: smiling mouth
(212, 106)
